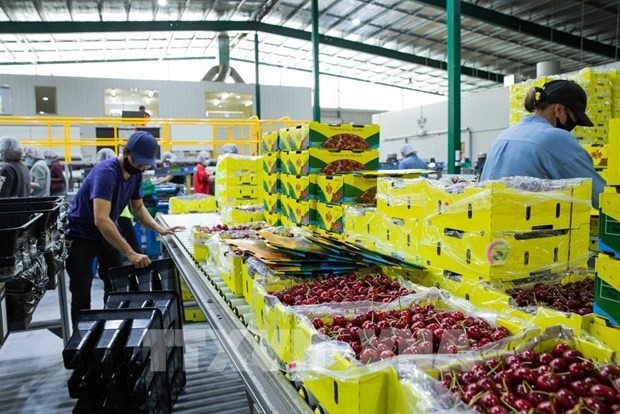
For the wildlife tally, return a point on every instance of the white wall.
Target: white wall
(85, 97)
(483, 116)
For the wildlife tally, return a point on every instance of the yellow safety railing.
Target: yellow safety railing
(242, 132)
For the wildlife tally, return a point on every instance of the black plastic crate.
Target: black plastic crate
(121, 277)
(166, 301)
(16, 232)
(47, 226)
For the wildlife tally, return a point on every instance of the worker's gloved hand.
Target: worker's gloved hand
(139, 260)
(170, 230)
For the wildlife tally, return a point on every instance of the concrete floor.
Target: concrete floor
(33, 378)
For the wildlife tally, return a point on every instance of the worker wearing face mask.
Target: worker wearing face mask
(93, 232)
(40, 175)
(541, 145)
(169, 160)
(202, 180)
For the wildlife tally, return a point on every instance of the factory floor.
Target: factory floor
(34, 380)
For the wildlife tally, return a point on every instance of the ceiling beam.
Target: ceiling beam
(528, 28)
(223, 26)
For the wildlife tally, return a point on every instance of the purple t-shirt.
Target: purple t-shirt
(105, 181)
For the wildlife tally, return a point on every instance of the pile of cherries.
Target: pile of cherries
(220, 228)
(558, 381)
(377, 335)
(349, 288)
(576, 297)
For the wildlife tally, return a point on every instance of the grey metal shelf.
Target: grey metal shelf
(265, 384)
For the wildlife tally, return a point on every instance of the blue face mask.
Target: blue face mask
(29, 161)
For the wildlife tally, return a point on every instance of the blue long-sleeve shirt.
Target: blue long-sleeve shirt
(535, 148)
(412, 162)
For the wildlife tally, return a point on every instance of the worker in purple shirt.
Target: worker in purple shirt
(93, 231)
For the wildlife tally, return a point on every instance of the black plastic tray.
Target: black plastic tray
(16, 229)
(119, 276)
(50, 210)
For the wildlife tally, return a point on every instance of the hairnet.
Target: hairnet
(32, 152)
(406, 150)
(229, 149)
(168, 157)
(104, 154)
(203, 156)
(10, 149)
(50, 154)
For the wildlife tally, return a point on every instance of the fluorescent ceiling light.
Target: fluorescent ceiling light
(248, 103)
(45, 98)
(216, 102)
(42, 112)
(162, 3)
(225, 95)
(356, 22)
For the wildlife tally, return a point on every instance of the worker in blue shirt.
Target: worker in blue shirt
(93, 229)
(541, 145)
(410, 159)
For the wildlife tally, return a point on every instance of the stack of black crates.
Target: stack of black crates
(32, 252)
(128, 357)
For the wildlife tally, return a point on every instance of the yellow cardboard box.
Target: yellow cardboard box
(271, 162)
(598, 152)
(273, 219)
(315, 161)
(329, 217)
(399, 239)
(497, 256)
(235, 164)
(271, 183)
(361, 225)
(329, 136)
(613, 162)
(347, 188)
(284, 161)
(283, 139)
(402, 198)
(270, 141)
(271, 202)
(238, 191)
(299, 211)
(301, 187)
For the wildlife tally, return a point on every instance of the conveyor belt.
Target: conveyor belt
(265, 384)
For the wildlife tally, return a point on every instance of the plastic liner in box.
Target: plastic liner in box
(121, 277)
(17, 232)
(24, 292)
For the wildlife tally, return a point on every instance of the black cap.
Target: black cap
(568, 93)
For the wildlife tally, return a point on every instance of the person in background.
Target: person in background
(40, 176)
(125, 220)
(58, 183)
(93, 232)
(143, 112)
(541, 145)
(391, 163)
(202, 180)
(14, 175)
(410, 159)
(169, 160)
(228, 149)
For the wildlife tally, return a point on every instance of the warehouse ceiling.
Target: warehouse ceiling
(393, 42)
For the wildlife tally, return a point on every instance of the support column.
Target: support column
(257, 73)
(454, 84)
(316, 110)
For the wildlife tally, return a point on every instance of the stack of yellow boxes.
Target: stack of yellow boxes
(238, 184)
(498, 230)
(271, 184)
(319, 149)
(607, 281)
